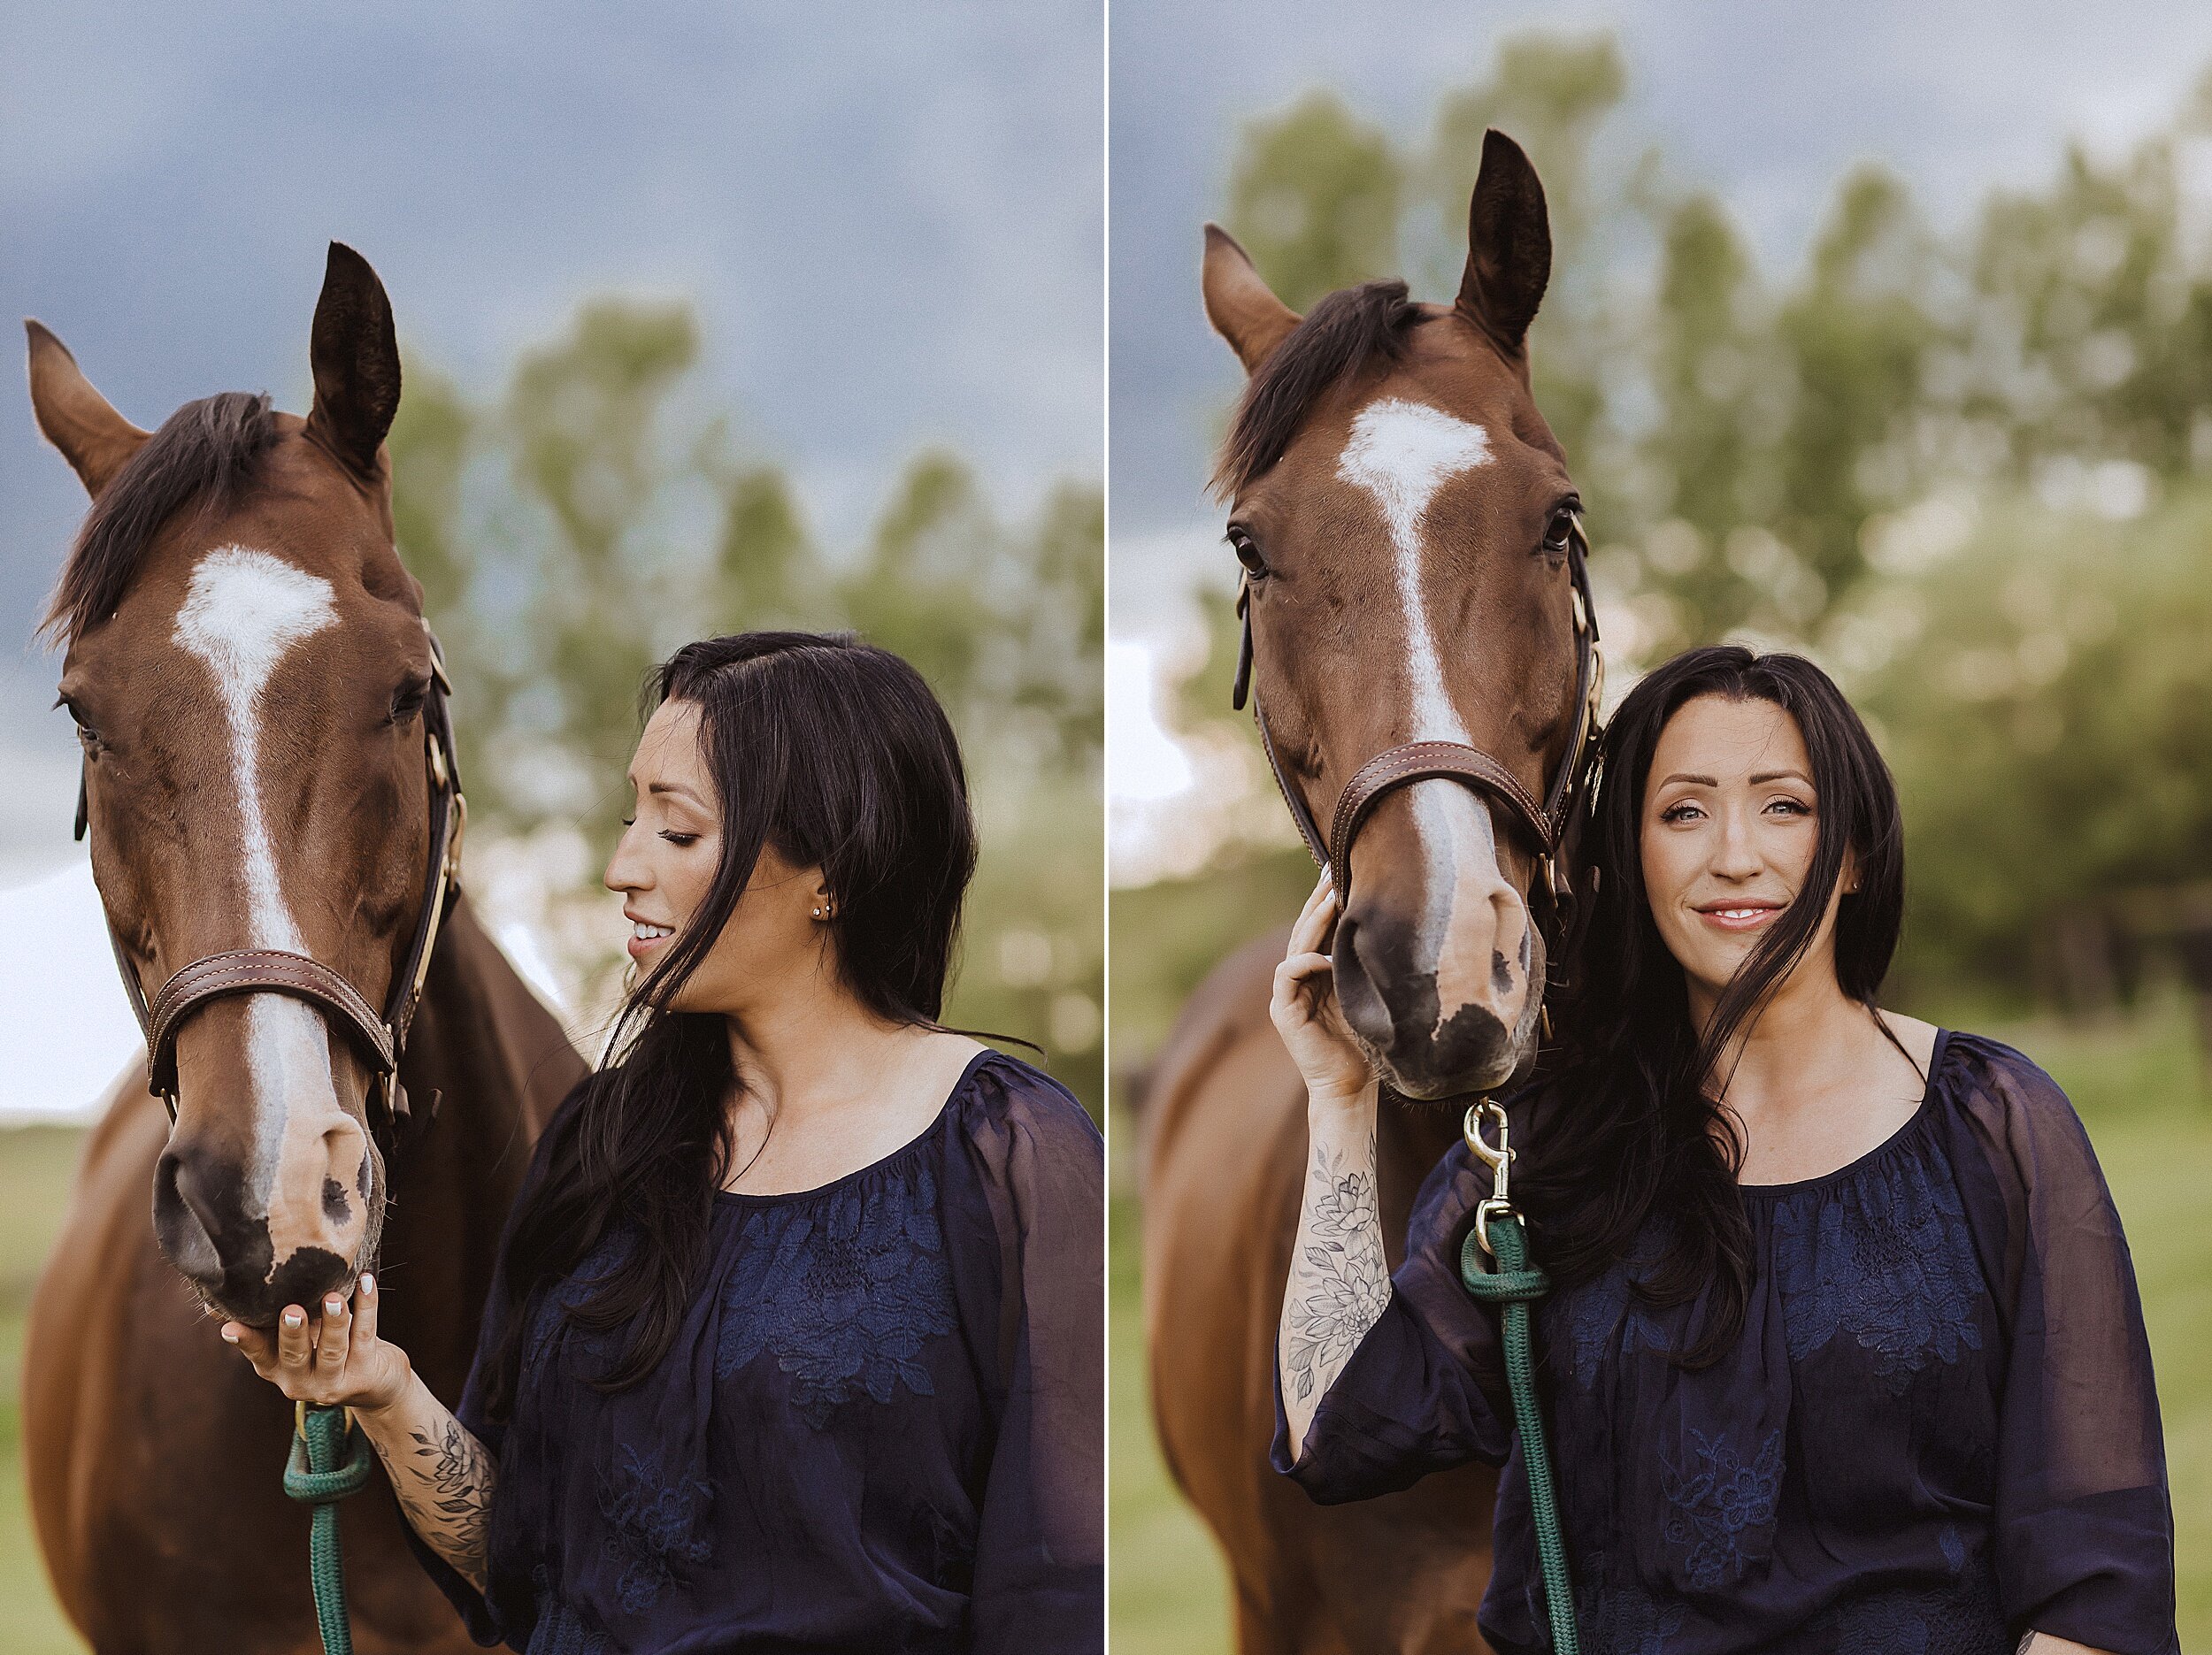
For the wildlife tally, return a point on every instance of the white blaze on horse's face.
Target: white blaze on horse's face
(243, 613)
(1401, 453)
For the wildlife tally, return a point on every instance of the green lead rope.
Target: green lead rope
(313, 1473)
(1493, 1267)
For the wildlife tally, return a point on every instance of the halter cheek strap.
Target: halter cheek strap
(380, 1040)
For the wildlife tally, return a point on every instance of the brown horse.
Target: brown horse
(248, 666)
(1404, 518)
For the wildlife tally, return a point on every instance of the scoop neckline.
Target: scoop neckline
(774, 1197)
(1798, 1186)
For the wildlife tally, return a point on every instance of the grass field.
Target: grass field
(35, 1164)
(2139, 1086)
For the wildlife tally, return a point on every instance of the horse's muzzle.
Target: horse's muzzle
(225, 1251)
(1424, 1052)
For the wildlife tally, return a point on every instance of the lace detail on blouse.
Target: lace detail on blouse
(1962, 1618)
(845, 1291)
(1720, 1515)
(1886, 1259)
(1616, 1618)
(561, 1628)
(656, 1521)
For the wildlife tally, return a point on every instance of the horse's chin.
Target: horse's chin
(1450, 1091)
(1460, 1084)
(258, 1305)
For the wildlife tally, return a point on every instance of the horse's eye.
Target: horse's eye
(87, 736)
(408, 699)
(1559, 535)
(1247, 553)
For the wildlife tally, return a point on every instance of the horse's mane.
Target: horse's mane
(1340, 336)
(206, 451)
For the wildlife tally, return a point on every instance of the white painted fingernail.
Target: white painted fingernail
(230, 1336)
(292, 1318)
(368, 1283)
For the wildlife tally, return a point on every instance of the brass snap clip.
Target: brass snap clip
(1499, 1161)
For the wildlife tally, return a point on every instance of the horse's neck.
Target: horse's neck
(498, 1062)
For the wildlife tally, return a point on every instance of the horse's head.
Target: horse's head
(1406, 522)
(247, 667)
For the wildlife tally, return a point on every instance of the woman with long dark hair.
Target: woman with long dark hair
(795, 1341)
(1843, 1350)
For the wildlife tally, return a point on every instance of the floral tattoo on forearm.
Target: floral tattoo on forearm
(444, 1479)
(1340, 1281)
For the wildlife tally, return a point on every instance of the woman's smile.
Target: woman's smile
(1739, 914)
(645, 935)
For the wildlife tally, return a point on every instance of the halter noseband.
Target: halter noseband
(382, 1039)
(1544, 824)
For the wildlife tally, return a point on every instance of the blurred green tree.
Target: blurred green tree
(1855, 335)
(1315, 198)
(2047, 713)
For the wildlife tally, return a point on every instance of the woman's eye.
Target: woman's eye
(1247, 553)
(1680, 813)
(679, 840)
(1790, 807)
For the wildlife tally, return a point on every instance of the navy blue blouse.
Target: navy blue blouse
(1937, 1433)
(880, 1429)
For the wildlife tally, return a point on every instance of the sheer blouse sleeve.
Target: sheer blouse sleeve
(1039, 1563)
(2083, 1522)
(1425, 1390)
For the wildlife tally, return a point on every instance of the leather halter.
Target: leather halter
(382, 1038)
(1544, 824)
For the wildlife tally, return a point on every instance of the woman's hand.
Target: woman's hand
(339, 1362)
(1306, 1013)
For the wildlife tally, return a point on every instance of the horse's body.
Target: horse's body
(1397, 505)
(154, 1452)
(1226, 1149)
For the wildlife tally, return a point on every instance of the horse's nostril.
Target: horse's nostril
(186, 1214)
(1364, 1006)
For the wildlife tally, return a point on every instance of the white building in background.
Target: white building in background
(65, 1026)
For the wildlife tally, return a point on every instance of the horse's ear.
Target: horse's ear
(1509, 245)
(1239, 303)
(75, 419)
(356, 356)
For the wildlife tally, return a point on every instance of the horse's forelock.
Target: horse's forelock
(1342, 334)
(206, 451)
